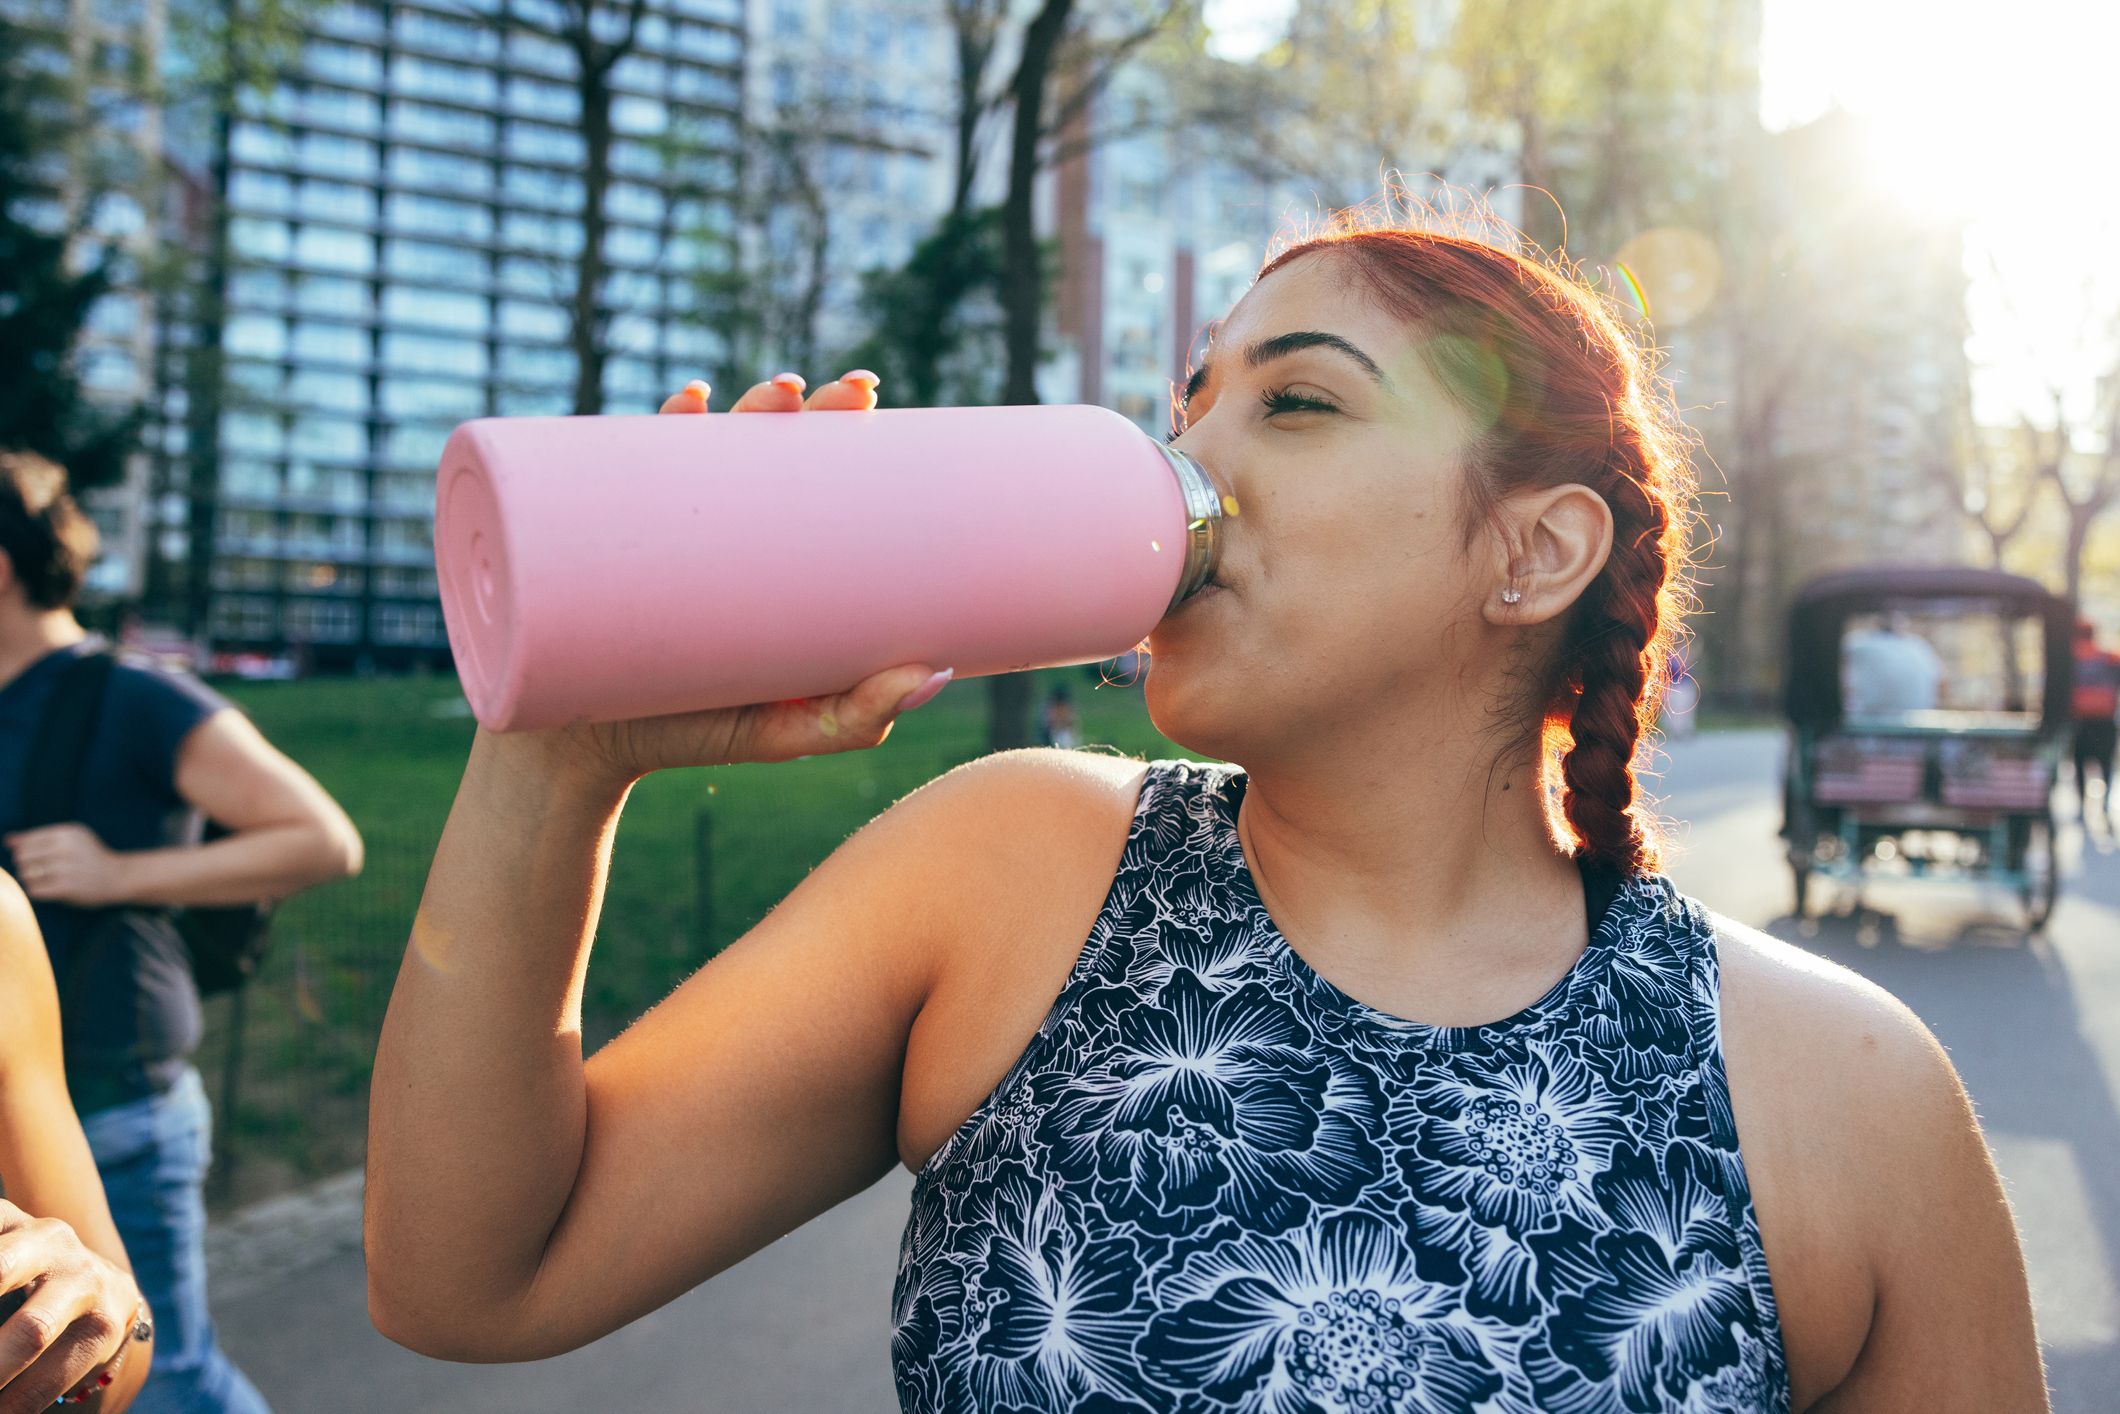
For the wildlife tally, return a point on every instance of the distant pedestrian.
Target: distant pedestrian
(2094, 706)
(107, 767)
(1056, 720)
(1681, 698)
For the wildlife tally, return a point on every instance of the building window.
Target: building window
(330, 294)
(327, 248)
(443, 309)
(343, 63)
(415, 444)
(255, 336)
(407, 623)
(422, 260)
(416, 166)
(336, 201)
(533, 321)
(539, 186)
(537, 99)
(332, 155)
(338, 439)
(444, 127)
(330, 343)
(437, 216)
(428, 353)
(436, 398)
(534, 142)
(311, 389)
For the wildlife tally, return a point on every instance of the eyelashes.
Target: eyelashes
(1273, 401)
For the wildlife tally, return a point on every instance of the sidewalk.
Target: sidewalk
(804, 1324)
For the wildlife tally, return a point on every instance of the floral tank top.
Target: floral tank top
(1214, 1182)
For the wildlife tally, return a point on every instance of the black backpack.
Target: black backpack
(226, 943)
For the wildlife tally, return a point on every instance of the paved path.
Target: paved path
(2035, 1029)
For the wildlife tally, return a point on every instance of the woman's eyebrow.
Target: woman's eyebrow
(1280, 346)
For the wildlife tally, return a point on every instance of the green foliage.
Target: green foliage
(219, 48)
(935, 322)
(52, 272)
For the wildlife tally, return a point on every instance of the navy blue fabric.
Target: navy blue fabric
(1215, 1182)
(128, 1004)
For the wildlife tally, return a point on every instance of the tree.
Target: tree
(598, 35)
(46, 288)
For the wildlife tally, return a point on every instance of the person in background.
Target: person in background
(1056, 721)
(2094, 704)
(164, 751)
(1890, 671)
(83, 1329)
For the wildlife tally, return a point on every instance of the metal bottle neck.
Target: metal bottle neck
(1203, 522)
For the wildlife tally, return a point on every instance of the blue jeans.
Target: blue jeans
(153, 1155)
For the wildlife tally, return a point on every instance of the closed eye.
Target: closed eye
(1279, 400)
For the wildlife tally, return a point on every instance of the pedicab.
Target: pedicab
(1928, 713)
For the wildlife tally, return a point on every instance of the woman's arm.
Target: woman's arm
(55, 1227)
(1895, 1258)
(286, 833)
(521, 1202)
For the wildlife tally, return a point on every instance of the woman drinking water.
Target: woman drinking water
(1374, 1068)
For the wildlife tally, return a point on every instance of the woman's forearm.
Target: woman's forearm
(478, 1111)
(265, 862)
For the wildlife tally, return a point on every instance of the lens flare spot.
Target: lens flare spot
(431, 945)
(1156, 545)
(828, 724)
(1229, 505)
(1683, 266)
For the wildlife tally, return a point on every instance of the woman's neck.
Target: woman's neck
(1427, 884)
(27, 634)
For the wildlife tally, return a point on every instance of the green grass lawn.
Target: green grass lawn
(391, 751)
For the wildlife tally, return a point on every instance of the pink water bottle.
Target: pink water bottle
(599, 568)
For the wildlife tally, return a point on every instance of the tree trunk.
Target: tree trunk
(1022, 302)
(203, 423)
(2080, 519)
(585, 325)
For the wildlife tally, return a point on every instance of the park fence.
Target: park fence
(700, 859)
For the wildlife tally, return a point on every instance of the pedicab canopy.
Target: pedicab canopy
(1823, 609)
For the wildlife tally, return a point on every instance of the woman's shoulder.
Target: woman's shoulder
(1801, 1014)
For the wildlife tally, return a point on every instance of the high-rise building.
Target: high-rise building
(405, 220)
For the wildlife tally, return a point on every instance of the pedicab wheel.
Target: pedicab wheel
(2043, 882)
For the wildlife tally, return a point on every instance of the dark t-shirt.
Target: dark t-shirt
(128, 1006)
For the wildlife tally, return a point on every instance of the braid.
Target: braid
(1618, 664)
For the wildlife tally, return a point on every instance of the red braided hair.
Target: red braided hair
(1567, 394)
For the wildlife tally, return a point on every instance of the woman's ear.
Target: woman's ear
(1558, 540)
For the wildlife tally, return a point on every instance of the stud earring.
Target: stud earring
(1512, 595)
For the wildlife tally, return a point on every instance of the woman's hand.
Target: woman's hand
(861, 716)
(76, 1311)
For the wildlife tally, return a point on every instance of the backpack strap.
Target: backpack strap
(51, 782)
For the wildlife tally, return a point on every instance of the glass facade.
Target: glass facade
(406, 222)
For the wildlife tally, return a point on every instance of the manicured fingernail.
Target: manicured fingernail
(925, 693)
(860, 375)
(790, 381)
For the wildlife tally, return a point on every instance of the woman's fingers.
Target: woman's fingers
(851, 392)
(59, 1315)
(781, 393)
(87, 1340)
(690, 398)
(860, 717)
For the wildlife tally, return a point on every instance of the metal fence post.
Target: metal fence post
(231, 1072)
(703, 875)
